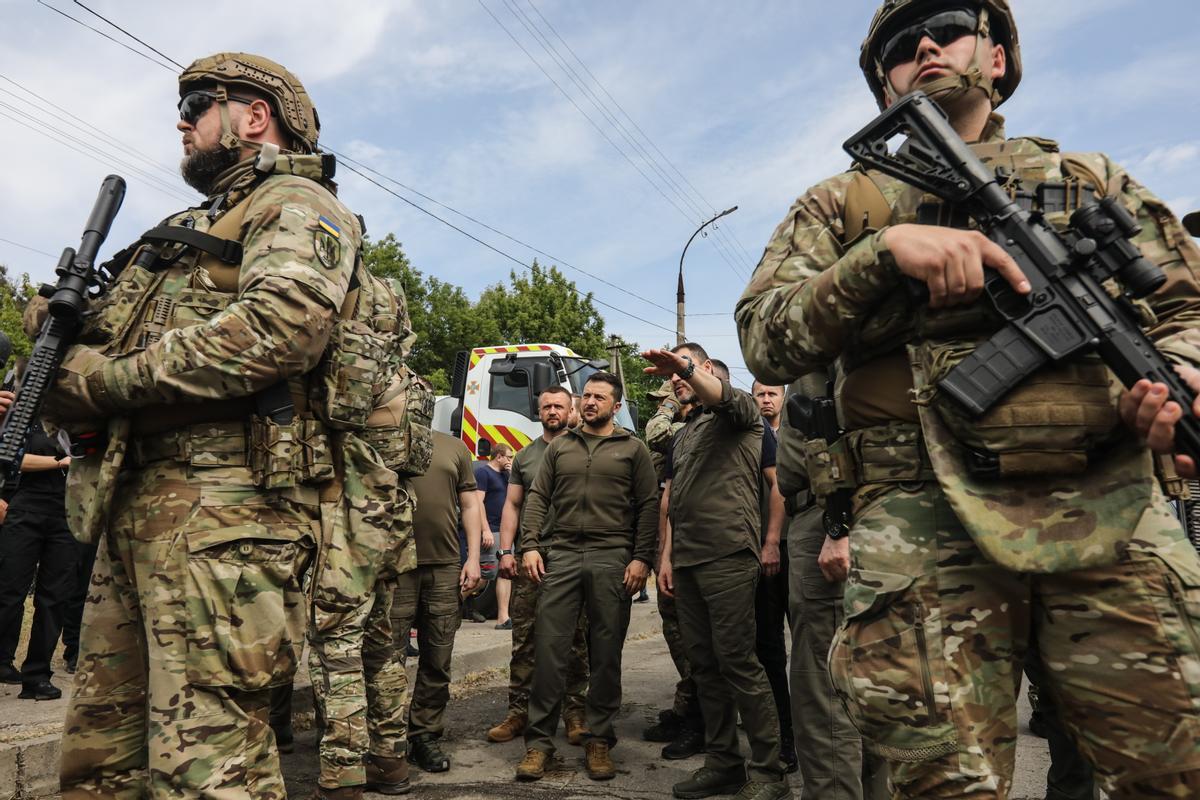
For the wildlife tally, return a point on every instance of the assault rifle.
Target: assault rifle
(816, 418)
(1068, 311)
(79, 280)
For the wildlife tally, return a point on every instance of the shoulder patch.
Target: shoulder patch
(327, 245)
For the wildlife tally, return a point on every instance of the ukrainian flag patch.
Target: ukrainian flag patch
(330, 228)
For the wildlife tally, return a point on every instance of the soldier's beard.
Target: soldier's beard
(554, 426)
(201, 168)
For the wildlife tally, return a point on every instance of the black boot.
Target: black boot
(423, 750)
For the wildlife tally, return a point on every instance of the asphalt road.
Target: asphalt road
(484, 771)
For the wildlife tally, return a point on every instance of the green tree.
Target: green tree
(542, 306)
(14, 294)
(441, 313)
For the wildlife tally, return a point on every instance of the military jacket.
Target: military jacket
(817, 298)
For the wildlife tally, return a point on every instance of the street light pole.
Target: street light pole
(679, 294)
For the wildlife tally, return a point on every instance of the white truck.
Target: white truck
(494, 393)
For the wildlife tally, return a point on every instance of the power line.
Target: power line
(591, 121)
(590, 96)
(712, 208)
(415, 205)
(27, 247)
(451, 209)
(95, 130)
(157, 181)
(497, 250)
(130, 35)
(100, 156)
(105, 35)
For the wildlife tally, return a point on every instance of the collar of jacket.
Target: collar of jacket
(235, 183)
(617, 433)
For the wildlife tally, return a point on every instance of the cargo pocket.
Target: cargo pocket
(245, 622)
(357, 366)
(821, 599)
(1182, 618)
(886, 665)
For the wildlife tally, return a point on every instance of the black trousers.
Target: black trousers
(770, 616)
(73, 617)
(35, 541)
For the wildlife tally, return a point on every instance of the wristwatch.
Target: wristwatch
(687, 371)
(503, 553)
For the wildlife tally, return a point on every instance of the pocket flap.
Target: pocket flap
(198, 541)
(870, 592)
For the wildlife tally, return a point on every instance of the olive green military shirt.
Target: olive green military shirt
(435, 522)
(603, 493)
(715, 469)
(522, 473)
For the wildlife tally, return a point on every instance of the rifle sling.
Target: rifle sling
(227, 250)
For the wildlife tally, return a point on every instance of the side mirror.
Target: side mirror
(483, 448)
(601, 364)
(505, 366)
(542, 378)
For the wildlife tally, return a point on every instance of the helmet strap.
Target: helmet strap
(949, 90)
(229, 139)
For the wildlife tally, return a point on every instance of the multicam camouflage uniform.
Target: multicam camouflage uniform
(206, 510)
(954, 575)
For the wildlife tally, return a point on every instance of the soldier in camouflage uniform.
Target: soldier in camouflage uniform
(953, 573)
(681, 726)
(216, 367)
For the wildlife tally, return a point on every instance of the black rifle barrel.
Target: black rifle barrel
(76, 274)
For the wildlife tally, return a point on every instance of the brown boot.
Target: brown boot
(597, 761)
(512, 727)
(533, 765)
(577, 729)
(340, 793)
(388, 775)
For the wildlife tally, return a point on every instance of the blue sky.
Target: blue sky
(750, 101)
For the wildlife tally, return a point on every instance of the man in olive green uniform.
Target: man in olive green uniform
(554, 407)
(972, 537)
(599, 482)
(828, 748)
(710, 563)
(681, 726)
(427, 597)
(209, 362)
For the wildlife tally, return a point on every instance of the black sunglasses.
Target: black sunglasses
(943, 28)
(193, 104)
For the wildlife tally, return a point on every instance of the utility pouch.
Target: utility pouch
(122, 306)
(92, 484)
(830, 467)
(400, 429)
(283, 456)
(355, 370)
(1058, 421)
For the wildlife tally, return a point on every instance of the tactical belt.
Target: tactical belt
(212, 444)
(227, 250)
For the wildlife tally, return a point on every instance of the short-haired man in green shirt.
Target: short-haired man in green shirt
(555, 407)
(599, 481)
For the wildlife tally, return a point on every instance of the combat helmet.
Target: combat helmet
(293, 107)
(995, 20)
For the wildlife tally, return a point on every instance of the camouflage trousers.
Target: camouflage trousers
(171, 696)
(929, 657)
(522, 608)
(351, 660)
(685, 703)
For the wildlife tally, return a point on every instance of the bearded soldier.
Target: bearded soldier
(231, 368)
(1039, 522)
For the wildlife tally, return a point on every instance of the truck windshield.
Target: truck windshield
(580, 370)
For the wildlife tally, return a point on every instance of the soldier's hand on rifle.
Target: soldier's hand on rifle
(78, 394)
(636, 573)
(834, 559)
(950, 261)
(535, 568)
(1147, 411)
(6, 401)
